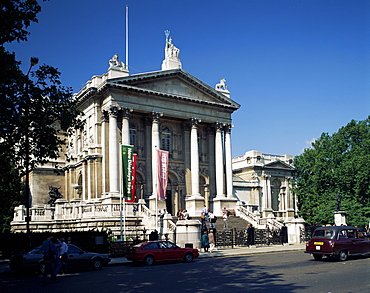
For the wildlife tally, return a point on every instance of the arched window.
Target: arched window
(166, 136)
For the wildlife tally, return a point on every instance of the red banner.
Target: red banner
(133, 180)
(162, 174)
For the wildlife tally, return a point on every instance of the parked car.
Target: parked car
(337, 241)
(77, 259)
(157, 251)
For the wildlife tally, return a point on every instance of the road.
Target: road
(273, 272)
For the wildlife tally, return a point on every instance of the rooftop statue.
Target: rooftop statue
(221, 85)
(171, 52)
(114, 62)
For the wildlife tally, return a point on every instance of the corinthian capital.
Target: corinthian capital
(156, 116)
(113, 111)
(194, 122)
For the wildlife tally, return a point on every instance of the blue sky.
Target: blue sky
(297, 68)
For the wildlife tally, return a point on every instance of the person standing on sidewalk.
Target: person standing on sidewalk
(63, 254)
(212, 220)
(225, 217)
(250, 235)
(49, 251)
(205, 241)
(284, 235)
(211, 238)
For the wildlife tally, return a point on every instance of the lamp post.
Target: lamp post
(33, 61)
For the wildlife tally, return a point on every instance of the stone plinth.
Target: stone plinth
(340, 218)
(188, 232)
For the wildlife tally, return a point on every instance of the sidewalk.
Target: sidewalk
(236, 251)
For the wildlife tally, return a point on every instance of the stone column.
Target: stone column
(228, 161)
(84, 180)
(219, 161)
(126, 126)
(155, 146)
(266, 191)
(113, 151)
(194, 155)
(67, 183)
(88, 178)
(195, 202)
(104, 150)
(268, 177)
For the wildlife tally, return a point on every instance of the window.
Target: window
(170, 245)
(133, 134)
(166, 138)
(153, 245)
(323, 234)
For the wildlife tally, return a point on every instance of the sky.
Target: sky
(298, 68)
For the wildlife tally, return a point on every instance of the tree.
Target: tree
(35, 107)
(336, 164)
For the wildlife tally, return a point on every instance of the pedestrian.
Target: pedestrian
(284, 235)
(268, 235)
(57, 259)
(205, 210)
(203, 221)
(211, 239)
(153, 236)
(225, 217)
(250, 235)
(180, 215)
(205, 241)
(49, 252)
(186, 215)
(63, 255)
(212, 220)
(134, 210)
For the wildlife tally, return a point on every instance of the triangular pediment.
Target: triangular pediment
(176, 83)
(279, 165)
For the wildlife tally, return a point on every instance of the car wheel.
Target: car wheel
(317, 256)
(343, 255)
(189, 257)
(149, 260)
(97, 264)
(42, 268)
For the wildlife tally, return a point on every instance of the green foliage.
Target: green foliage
(10, 192)
(15, 16)
(336, 163)
(35, 109)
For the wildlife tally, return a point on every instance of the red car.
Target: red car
(156, 251)
(337, 241)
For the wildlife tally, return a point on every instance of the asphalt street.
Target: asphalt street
(282, 271)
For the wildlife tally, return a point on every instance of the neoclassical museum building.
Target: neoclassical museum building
(167, 110)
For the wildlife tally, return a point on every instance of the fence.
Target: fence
(233, 237)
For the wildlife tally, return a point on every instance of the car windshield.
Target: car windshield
(36, 250)
(329, 234)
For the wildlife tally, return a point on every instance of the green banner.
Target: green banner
(127, 160)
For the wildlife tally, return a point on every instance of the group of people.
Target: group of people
(55, 254)
(208, 216)
(183, 215)
(208, 240)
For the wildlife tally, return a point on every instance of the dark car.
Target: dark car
(337, 241)
(77, 259)
(157, 251)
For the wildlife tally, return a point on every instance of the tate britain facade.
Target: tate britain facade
(167, 110)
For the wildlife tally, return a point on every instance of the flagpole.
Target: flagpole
(156, 208)
(120, 215)
(124, 222)
(120, 196)
(127, 36)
